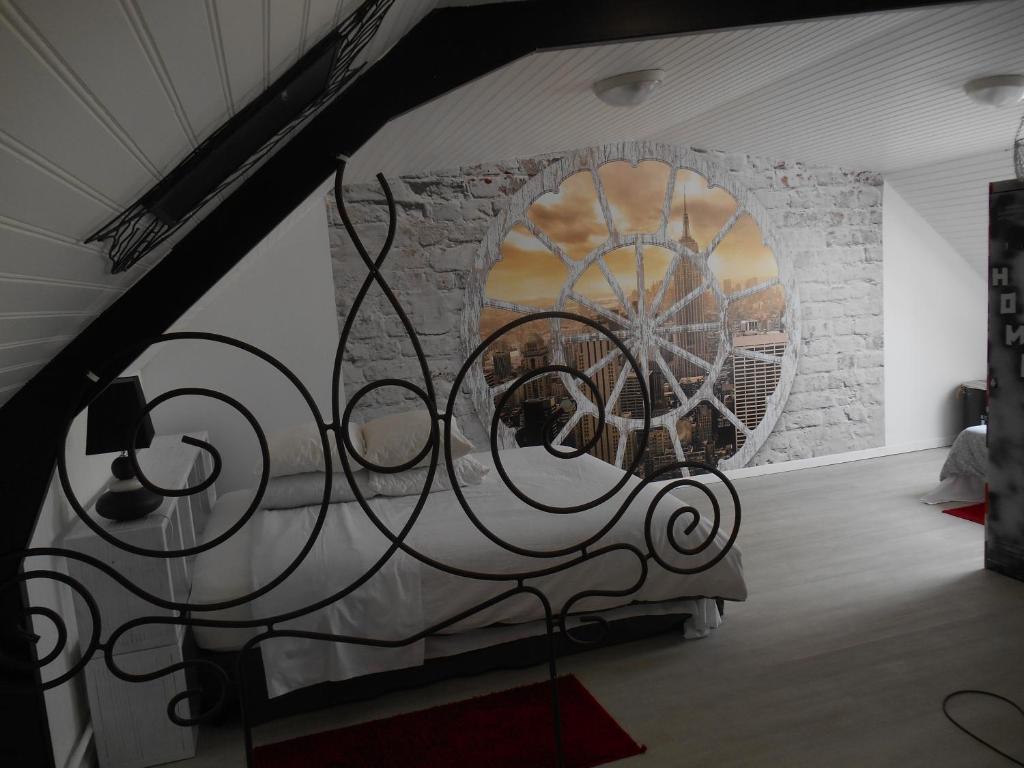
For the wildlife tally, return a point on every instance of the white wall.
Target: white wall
(935, 306)
(280, 298)
(66, 706)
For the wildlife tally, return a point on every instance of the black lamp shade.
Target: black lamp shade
(112, 416)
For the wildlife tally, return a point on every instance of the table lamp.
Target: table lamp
(111, 418)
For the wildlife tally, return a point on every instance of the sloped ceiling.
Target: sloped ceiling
(952, 196)
(100, 99)
(873, 91)
(880, 91)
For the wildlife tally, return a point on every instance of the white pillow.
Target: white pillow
(391, 441)
(298, 449)
(468, 471)
(307, 489)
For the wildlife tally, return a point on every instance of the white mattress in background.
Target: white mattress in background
(965, 469)
(968, 457)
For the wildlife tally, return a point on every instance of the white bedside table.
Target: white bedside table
(130, 719)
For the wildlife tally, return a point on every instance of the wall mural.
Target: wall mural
(662, 248)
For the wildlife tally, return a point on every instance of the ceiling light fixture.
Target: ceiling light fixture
(997, 90)
(629, 88)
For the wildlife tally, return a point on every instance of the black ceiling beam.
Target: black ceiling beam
(585, 23)
(448, 48)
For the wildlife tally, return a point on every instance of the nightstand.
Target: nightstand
(130, 720)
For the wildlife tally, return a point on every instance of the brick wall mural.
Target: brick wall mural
(748, 292)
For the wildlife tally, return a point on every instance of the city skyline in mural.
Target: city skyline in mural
(632, 250)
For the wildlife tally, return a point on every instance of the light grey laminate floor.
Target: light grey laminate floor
(866, 607)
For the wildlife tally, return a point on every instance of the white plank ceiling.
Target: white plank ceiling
(872, 91)
(881, 92)
(98, 100)
(952, 196)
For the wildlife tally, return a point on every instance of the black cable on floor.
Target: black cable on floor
(975, 736)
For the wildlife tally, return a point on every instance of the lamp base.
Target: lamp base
(127, 505)
(127, 498)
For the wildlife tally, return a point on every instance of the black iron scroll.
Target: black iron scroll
(548, 561)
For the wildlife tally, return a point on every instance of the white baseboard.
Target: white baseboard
(81, 755)
(832, 458)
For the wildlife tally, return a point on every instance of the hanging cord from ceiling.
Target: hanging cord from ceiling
(243, 143)
(1018, 150)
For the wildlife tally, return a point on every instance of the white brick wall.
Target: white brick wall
(828, 224)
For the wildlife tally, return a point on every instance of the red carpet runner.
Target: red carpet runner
(973, 512)
(510, 729)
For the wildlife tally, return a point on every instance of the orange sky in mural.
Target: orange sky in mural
(709, 209)
(571, 217)
(635, 195)
(741, 255)
(530, 274)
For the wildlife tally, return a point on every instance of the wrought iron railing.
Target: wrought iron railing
(104, 641)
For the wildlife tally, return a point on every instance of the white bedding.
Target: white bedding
(969, 454)
(407, 596)
(963, 474)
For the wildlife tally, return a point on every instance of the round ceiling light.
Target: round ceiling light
(997, 90)
(630, 88)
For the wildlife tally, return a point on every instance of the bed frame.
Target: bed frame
(219, 681)
(515, 654)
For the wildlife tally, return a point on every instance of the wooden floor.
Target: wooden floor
(866, 607)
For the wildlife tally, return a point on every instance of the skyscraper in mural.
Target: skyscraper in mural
(754, 376)
(586, 355)
(687, 280)
(502, 364)
(536, 354)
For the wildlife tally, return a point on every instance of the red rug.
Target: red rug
(973, 512)
(510, 729)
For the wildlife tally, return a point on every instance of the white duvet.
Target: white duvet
(965, 470)
(407, 597)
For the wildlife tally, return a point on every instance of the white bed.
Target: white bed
(963, 474)
(407, 596)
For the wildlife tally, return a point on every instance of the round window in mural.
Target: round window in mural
(667, 257)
